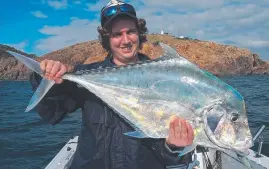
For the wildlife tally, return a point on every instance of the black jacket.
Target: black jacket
(102, 144)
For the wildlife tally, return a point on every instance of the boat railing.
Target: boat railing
(259, 138)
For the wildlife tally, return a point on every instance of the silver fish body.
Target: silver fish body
(148, 94)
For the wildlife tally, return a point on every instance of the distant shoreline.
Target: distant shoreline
(218, 59)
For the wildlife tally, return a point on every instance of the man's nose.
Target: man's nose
(125, 38)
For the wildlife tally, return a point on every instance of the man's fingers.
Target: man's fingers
(171, 135)
(48, 69)
(190, 132)
(59, 74)
(178, 128)
(43, 65)
(180, 132)
(55, 69)
(62, 71)
(58, 81)
(184, 131)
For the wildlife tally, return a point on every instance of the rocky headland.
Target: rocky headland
(219, 59)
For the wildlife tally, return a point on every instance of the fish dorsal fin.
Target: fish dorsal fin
(169, 52)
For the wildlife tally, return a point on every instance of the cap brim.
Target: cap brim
(108, 22)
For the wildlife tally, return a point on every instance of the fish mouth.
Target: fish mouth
(226, 136)
(242, 147)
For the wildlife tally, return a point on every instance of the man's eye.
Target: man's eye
(114, 35)
(131, 32)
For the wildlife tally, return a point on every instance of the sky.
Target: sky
(42, 26)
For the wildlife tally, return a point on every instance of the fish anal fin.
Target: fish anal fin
(187, 150)
(136, 134)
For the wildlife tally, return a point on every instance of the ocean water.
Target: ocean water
(27, 142)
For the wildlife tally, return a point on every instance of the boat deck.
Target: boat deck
(65, 156)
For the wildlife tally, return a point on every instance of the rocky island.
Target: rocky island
(219, 59)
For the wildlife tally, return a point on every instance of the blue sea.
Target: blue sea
(27, 142)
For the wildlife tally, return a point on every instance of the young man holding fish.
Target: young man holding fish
(102, 143)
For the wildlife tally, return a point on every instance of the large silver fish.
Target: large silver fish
(148, 94)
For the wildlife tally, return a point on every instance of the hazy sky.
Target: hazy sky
(41, 26)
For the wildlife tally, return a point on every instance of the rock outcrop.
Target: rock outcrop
(221, 60)
(10, 68)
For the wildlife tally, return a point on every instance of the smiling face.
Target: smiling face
(124, 41)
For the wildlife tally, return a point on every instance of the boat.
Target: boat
(202, 157)
(65, 156)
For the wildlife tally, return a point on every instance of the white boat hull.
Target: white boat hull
(65, 156)
(64, 159)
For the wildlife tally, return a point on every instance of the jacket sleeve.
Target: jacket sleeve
(168, 154)
(59, 101)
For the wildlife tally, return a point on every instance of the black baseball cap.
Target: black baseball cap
(114, 9)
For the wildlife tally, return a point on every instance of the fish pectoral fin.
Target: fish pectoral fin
(187, 150)
(136, 134)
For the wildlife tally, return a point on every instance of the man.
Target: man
(102, 144)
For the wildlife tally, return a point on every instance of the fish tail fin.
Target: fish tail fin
(28, 62)
(45, 84)
(40, 92)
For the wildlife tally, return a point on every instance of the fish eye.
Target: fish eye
(234, 117)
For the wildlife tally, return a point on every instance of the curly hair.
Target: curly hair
(104, 33)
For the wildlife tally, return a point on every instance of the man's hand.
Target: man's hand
(180, 133)
(54, 70)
